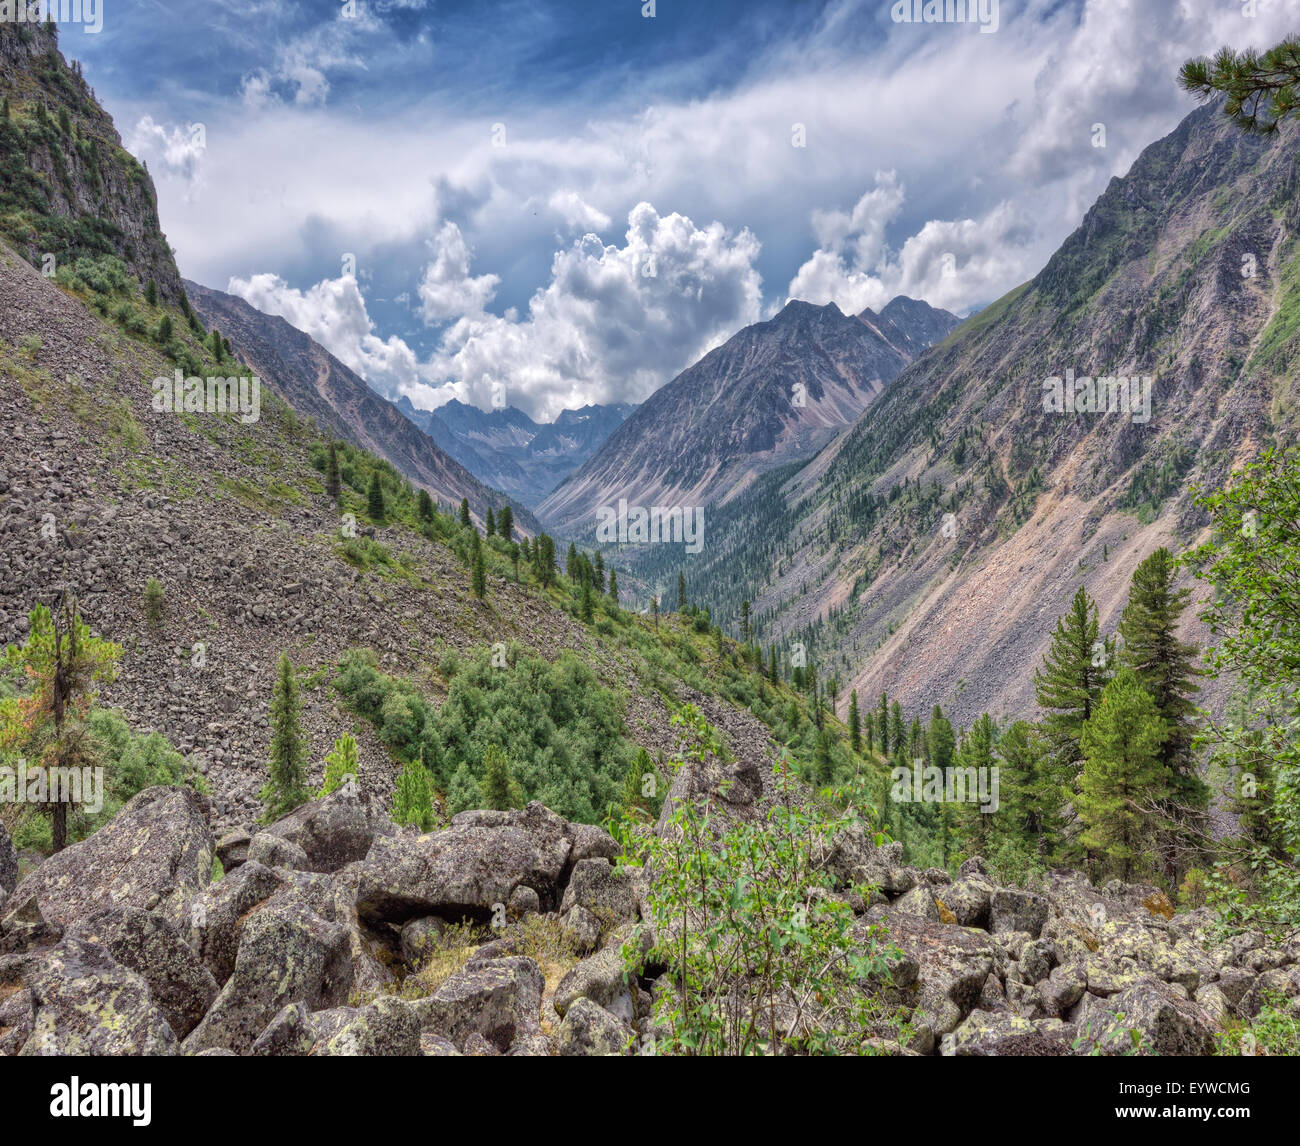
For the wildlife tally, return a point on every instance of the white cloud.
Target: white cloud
(174, 150)
(576, 212)
(448, 290)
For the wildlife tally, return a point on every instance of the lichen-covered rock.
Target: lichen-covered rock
(583, 929)
(387, 1027)
(335, 830)
(232, 849)
(85, 1003)
(1277, 983)
(275, 852)
(287, 954)
(967, 899)
(419, 937)
(8, 862)
(1011, 909)
(590, 1030)
(918, 902)
(24, 928)
(611, 894)
(601, 979)
(983, 1034)
(466, 869)
(499, 1000)
(1150, 1018)
(217, 917)
(179, 983)
(156, 853)
(591, 842)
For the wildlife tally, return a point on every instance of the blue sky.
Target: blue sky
(576, 201)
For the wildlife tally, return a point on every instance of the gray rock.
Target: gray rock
(985, 1035)
(611, 894)
(590, 1030)
(583, 928)
(419, 937)
(336, 830)
(1011, 909)
(8, 862)
(275, 852)
(181, 986)
(498, 1000)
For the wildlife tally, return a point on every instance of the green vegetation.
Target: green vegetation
(287, 787)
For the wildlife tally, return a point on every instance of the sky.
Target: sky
(555, 203)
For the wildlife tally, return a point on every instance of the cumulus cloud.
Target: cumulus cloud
(448, 290)
(576, 212)
(333, 312)
(170, 149)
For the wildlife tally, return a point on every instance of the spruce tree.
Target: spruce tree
(1075, 669)
(500, 792)
(975, 757)
(599, 571)
(287, 787)
(339, 764)
(1123, 777)
(490, 526)
(375, 498)
(897, 733)
(464, 511)
(869, 730)
(681, 592)
(506, 523)
(1166, 668)
(424, 505)
(855, 723)
(479, 568)
(613, 587)
(940, 739)
(151, 293)
(333, 480)
(413, 796)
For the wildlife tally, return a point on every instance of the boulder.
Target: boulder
(24, 928)
(986, 1035)
(1011, 909)
(336, 830)
(466, 869)
(1150, 1018)
(590, 1030)
(583, 929)
(156, 853)
(387, 1027)
(287, 954)
(918, 902)
(8, 862)
(181, 986)
(419, 937)
(84, 1003)
(599, 978)
(498, 1000)
(232, 849)
(967, 900)
(275, 852)
(217, 917)
(591, 842)
(612, 894)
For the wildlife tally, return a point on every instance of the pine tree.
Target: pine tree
(287, 787)
(773, 668)
(151, 293)
(975, 758)
(916, 749)
(464, 512)
(897, 733)
(375, 498)
(490, 526)
(1165, 667)
(506, 523)
(1122, 776)
(940, 739)
(613, 587)
(413, 796)
(586, 607)
(340, 764)
(479, 569)
(681, 593)
(744, 622)
(218, 347)
(654, 610)
(333, 479)
(822, 762)
(500, 792)
(882, 724)
(165, 331)
(424, 505)
(599, 571)
(869, 729)
(1075, 669)
(855, 723)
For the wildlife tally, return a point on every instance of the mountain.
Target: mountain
(1185, 271)
(511, 452)
(775, 392)
(317, 384)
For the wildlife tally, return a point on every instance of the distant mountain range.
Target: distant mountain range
(509, 451)
(315, 383)
(773, 393)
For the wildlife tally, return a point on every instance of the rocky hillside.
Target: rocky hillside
(929, 551)
(318, 385)
(67, 186)
(516, 933)
(511, 452)
(773, 393)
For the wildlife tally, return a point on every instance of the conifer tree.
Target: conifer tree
(940, 739)
(855, 723)
(339, 764)
(151, 293)
(413, 796)
(500, 792)
(465, 519)
(681, 593)
(375, 498)
(897, 733)
(975, 757)
(869, 731)
(478, 567)
(1069, 683)
(424, 505)
(287, 787)
(333, 479)
(490, 525)
(613, 586)
(1122, 777)
(506, 523)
